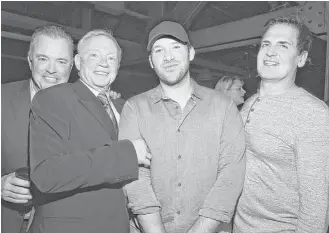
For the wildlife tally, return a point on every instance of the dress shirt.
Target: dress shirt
(95, 92)
(33, 89)
(198, 164)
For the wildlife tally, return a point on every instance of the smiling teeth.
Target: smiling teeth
(270, 63)
(101, 73)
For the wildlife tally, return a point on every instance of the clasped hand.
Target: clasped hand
(143, 153)
(14, 189)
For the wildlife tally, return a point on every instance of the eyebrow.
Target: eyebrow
(285, 43)
(279, 42)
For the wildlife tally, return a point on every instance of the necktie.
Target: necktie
(106, 104)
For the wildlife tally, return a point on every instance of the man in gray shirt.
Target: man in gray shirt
(196, 137)
(287, 134)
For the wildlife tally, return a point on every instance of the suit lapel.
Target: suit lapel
(94, 106)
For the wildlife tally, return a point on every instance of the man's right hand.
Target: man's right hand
(14, 189)
(143, 153)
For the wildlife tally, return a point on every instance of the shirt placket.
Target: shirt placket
(179, 157)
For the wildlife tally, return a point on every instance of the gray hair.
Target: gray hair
(226, 82)
(100, 32)
(51, 31)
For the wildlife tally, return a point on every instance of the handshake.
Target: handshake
(143, 153)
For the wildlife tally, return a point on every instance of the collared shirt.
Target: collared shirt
(95, 92)
(198, 164)
(33, 89)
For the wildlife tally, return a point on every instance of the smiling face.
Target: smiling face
(236, 92)
(50, 61)
(278, 57)
(98, 62)
(171, 60)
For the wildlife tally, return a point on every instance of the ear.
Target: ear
(302, 59)
(71, 65)
(77, 61)
(29, 61)
(191, 53)
(150, 61)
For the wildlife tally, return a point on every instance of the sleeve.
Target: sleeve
(56, 167)
(313, 174)
(141, 197)
(221, 201)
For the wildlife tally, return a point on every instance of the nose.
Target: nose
(271, 51)
(243, 91)
(51, 68)
(103, 61)
(168, 56)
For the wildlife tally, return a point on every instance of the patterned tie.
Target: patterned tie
(106, 104)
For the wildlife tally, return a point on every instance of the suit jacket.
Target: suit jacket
(15, 107)
(78, 166)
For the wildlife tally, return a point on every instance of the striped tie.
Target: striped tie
(106, 104)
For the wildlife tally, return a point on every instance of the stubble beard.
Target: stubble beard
(180, 77)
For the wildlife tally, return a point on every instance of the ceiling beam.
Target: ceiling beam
(132, 50)
(234, 31)
(219, 66)
(185, 12)
(15, 36)
(250, 28)
(228, 45)
(213, 5)
(117, 8)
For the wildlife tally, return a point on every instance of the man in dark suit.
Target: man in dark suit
(50, 58)
(77, 164)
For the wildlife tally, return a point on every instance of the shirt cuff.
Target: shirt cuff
(146, 210)
(216, 215)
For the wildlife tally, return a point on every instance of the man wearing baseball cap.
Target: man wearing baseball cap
(196, 137)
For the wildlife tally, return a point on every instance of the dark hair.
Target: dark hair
(51, 31)
(304, 39)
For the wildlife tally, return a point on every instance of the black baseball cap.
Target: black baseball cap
(167, 28)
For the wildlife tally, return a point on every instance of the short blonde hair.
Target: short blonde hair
(100, 32)
(226, 82)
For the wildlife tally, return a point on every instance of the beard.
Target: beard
(174, 78)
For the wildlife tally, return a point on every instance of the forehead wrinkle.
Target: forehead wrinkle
(49, 56)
